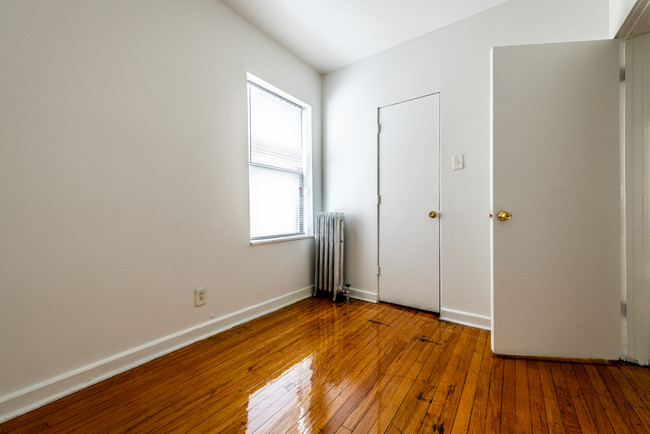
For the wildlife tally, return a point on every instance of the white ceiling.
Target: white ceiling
(330, 34)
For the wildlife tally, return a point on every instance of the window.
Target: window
(279, 163)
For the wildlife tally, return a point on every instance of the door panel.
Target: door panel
(409, 189)
(555, 167)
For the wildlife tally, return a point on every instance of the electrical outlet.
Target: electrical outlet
(200, 296)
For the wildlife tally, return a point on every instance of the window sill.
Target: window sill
(279, 240)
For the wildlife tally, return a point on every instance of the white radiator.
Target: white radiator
(328, 270)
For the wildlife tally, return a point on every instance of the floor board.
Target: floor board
(352, 368)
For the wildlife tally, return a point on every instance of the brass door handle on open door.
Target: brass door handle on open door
(433, 214)
(504, 216)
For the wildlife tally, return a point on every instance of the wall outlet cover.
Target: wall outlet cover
(200, 296)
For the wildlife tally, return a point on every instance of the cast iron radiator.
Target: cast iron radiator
(328, 269)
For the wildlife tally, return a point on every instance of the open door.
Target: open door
(556, 174)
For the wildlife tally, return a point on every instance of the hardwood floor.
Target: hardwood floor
(356, 367)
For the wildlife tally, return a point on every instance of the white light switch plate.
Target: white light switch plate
(458, 161)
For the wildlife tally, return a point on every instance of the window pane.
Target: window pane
(275, 202)
(276, 158)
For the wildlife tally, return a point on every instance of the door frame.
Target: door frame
(635, 297)
(378, 192)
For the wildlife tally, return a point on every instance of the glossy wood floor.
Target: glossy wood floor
(355, 367)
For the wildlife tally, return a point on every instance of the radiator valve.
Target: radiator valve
(346, 293)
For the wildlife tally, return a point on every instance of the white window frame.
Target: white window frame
(307, 229)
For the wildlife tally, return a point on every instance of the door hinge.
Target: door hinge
(378, 270)
(623, 310)
(378, 128)
(379, 199)
(621, 74)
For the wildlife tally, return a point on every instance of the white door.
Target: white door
(409, 246)
(555, 168)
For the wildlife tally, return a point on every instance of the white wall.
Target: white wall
(618, 12)
(455, 61)
(123, 184)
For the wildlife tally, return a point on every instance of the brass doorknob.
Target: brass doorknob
(504, 215)
(433, 214)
